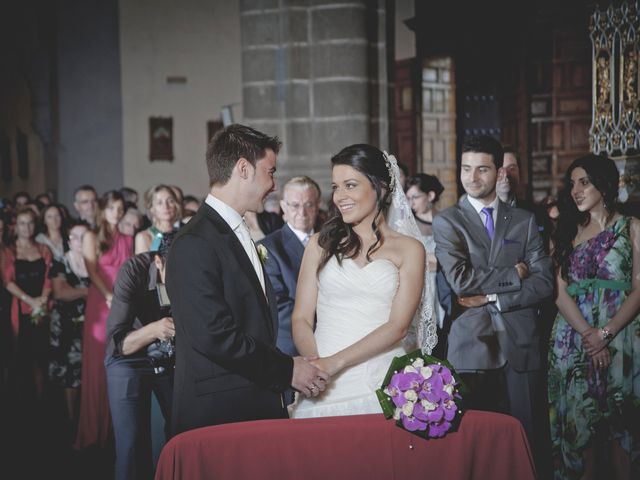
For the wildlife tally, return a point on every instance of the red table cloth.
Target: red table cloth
(486, 446)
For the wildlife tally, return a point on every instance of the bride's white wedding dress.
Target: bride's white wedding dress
(352, 302)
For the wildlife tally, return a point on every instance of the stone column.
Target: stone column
(314, 73)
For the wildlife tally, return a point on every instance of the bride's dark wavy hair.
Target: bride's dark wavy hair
(604, 175)
(337, 237)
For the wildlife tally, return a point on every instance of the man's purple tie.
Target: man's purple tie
(488, 223)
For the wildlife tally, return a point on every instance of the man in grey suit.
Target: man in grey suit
(494, 260)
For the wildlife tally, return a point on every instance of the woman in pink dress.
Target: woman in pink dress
(104, 251)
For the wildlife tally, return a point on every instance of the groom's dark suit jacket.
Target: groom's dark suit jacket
(228, 368)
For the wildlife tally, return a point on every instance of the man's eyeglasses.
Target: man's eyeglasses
(305, 206)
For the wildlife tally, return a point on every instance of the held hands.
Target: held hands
(523, 270)
(164, 329)
(307, 378)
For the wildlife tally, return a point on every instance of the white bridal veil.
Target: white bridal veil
(400, 218)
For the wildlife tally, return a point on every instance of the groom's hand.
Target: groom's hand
(308, 379)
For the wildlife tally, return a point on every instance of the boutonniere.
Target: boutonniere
(263, 254)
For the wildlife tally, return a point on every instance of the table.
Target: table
(486, 446)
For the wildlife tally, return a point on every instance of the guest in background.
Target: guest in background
(130, 195)
(85, 201)
(262, 224)
(6, 344)
(25, 274)
(272, 204)
(139, 357)
(44, 199)
(594, 356)
(70, 282)
(104, 252)
(190, 205)
(131, 221)
(423, 193)
(300, 204)
(164, 211)
(54, 231)
(509, 179)
(20, 199)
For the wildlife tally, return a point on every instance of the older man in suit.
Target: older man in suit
(494, 260)
(228, 368)
(300, 205)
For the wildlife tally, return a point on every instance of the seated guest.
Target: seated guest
(594, 357)
(20, 199)
(139, 357)
(163, 209)
(44, 199)
(69, 282)
(300, 203)
(190, 205)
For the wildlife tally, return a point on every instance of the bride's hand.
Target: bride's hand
(327, 364)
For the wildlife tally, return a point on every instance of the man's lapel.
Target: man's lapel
(502, 225)
(293, 246)
(476, 227)
(241, 255)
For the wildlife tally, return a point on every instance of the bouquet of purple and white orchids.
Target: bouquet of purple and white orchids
(423, 394)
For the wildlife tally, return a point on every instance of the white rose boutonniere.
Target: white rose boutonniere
(263, 253)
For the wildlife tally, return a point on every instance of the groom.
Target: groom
(228, 368)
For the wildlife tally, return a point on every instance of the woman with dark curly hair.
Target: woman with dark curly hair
(363, 279)
(594, 357)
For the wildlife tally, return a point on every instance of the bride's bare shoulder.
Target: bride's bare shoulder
(406, 248)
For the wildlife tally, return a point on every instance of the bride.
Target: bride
(363, 281)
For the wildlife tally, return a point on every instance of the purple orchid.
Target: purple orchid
(438, 430)
(412, 424)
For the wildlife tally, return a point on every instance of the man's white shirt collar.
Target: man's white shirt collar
(478, 206)
(299, 233)
(228, 214)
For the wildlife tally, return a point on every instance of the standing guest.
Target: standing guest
(423, 192)
(285, 247)
(70, 282)
(139, 358)
(20, 199)
(228, 368)
(190, 205)
(54, 231)
(131, 220)
(5, 310)
(104, 252)
(509, 178)
(85, 201)
(25, 274)
(44, 199)
(130, 195)
(494, 261)
(594, 358)
(164, 211)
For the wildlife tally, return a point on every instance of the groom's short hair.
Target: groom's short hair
(232, 143)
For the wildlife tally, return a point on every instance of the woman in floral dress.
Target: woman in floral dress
(594, 357)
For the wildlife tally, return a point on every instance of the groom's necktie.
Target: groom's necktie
(488, 223)
(250, 249)
(305, 240)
